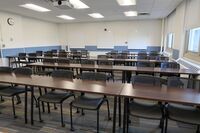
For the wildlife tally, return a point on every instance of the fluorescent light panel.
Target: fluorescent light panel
(131, 13)
(35, 7)
(78, 4)
(96, 15)
(126, 2)
(66, 17)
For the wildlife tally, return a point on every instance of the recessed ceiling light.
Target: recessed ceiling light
(96, 15)
(131, 13)
(78, 4)
(66, 17)
(35, 7)
(126, 2)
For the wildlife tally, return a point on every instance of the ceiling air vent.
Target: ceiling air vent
(143, 14)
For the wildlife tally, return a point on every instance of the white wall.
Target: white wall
(138, 34)
(27, 32)
(185, 17)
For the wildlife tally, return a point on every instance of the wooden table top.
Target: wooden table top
(99, 59)
(175, 95)
(107, 88)
(118, 68)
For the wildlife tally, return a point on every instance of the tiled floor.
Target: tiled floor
(82, 124)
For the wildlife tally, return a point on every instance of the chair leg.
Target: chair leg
(162, 125)
(71, 122)
(166, 124)
(109, 118)
(82, 112)
(198, 127)
(98, 121)
(55, 106)
(18, 99)
(40, 91)
(36, 102)
(2, 100)
(61, 112)
(13, 106)
(40, 118)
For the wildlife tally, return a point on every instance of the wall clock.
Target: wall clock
(10, 21)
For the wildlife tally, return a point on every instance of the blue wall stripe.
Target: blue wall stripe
(120, 48)
(12, 51)
(15, 51)
(153, 48)
(91, 47)
(42, 48)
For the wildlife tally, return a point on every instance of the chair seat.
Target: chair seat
(182, 113)
(3, 86)
(11, 91)
(149, 110)
(55, 97)
(87, 103)
(43, 73)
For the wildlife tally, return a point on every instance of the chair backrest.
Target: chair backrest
(87, 62)
(142, 54)
(162, 58)
(24, 71)
(63, 74)
(174, 82)
(170, 65)
(32, 54)
(6, 70)
(142, 57)
(143, 79)
(39, 53)
(62, 54)
(145, 64)
(54, 50)
(102, 56)
(105, 62)
(63, 61)
(151, 57)
(48, 54)
(94, 76)
(153, 53)
(22, 56)
(49, 60)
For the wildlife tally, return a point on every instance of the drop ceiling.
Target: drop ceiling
(110, 9)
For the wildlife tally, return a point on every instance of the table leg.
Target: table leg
(125, 114)
(114, 114)
(25, 107)
(32, 107)
(119, 103)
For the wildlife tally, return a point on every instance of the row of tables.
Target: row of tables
(128, 60)
(117, 90)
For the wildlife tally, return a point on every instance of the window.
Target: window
(194, 41)
(192, 49)
(170, 40)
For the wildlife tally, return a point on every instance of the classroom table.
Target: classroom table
(158, 93)
(115, 60)
(104, 88)
(127, 70)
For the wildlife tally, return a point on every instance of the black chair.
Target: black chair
(39, 53)
(165, 65)
(16, 90)
(32, 57)
(56, 97)
(162, 58)
(145, 108)
(87, 62)
(179, 112)
(142, 57)
(5, 70)
(63, 54)
(20, 60)
(84, 53)
(145, 64)
(48, 54)
(86, 102)
(46, 70)
(108, 63)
